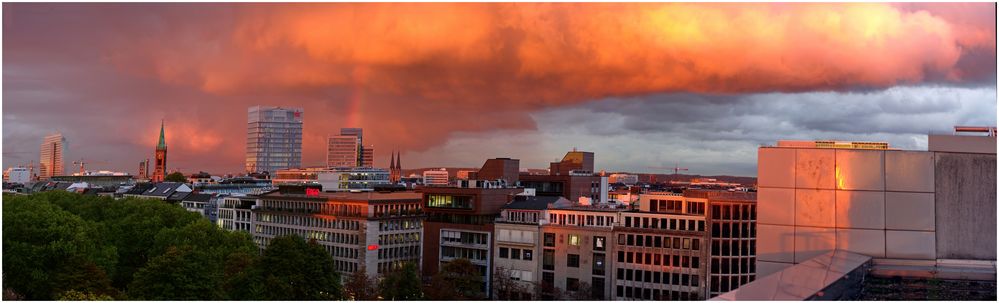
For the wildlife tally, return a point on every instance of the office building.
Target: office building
(572, 178)
(625, 179)
(53, 152)
(235, 213)
(378, 231)
(348, 150)
(435, 177)
(335, 179)
(916, 213)
(160, 168)
(274, 138)
(576, 252)
(516, 246)
(20, 175)
(459, 224)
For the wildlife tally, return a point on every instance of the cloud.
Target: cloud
(418, 75)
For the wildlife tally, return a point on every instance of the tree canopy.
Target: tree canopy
(66, 246)
(175, 177)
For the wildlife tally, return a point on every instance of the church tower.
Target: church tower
(159, 172)
(395, 169)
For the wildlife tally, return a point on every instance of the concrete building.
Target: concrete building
(236, 213)
(460, 223)
(436, 177)
(335, 179)
(235, 186)
(626, 179)
(377, 231)
(571, 178)
(917, 213)
(348, 149)
(516, 246)
(576, 252)
(273, 138)
(20, 175)
(51, 162)
(102, 179)
(197, 203)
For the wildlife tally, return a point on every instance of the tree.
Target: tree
(456, 280)
(360, 287)
(175, 177)
(179, 274)
(293, 269)
(403, 284)
(584, 292)
(73, 295)
(505, 287)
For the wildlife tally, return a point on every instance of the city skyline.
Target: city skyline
(525, 81)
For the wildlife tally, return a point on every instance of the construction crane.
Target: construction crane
(82, 165)
(676, 171)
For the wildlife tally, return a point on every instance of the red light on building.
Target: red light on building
(373, 247)
(312, 192)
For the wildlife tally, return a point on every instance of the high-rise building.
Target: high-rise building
(435, 177)
(53, 150)
(143, 169)
(916, 213)
(274, 138)
(347, 149)
(159, 171)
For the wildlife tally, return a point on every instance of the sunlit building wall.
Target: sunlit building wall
(273, 138)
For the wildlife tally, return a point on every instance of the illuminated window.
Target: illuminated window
(574, 240)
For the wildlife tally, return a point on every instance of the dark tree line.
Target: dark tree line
(66, 246)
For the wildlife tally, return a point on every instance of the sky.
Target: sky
(641, 85)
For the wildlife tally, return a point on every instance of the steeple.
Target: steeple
(398, 161)
(162, 144)
(392, 166)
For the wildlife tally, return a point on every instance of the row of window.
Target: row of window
(308, 234)
(522, 216)
(659, 260)
(309, 221)
(651, 241)
(516, 254)
(665, 278)
(722, 284)
(599, 243)
(449, 201)
(733, 212)
(664, 224)
(393, 209)
(344, 266)
(463, 237)
(464, 253)
(399, 252)
(733, 247)
(581, 220)
(407, 224)
(333, 209)
(389, 266)
(654, 294)
(337, 251)
(733, 265)
(399, 238)
(733, 230)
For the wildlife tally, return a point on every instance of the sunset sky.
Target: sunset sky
(454, 84)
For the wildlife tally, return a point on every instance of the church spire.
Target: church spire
(162, 144)
(392, 166)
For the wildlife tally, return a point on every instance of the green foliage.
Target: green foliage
(175, 177)
(456, 280)
(360, 287)
(402, 285)
(72, 295)
(293, 269)
(60, 245)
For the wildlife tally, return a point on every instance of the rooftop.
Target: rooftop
(350, 196)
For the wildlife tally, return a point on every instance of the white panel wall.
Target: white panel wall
(910, 211)
(775, 206)
(860, 170)
(780, 167)
(815, 168)
(815, 207)
(860, 209)
(775, 243)
(909, 171)
(910, 244)
(810, 242)
(870, 242)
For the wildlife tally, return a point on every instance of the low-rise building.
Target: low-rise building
(435, 177)
(335, 179)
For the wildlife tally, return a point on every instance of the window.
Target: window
(574, 240)
(504, 252)
(572, 260)
(620, 239)
(598, 264)
(549, 240)
(528, 254)
(599, 243)
(572, 284)
(548, 259)
(515, 254)
(447, 201)
(620, 256)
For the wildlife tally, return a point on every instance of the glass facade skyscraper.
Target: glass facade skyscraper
(273, 138)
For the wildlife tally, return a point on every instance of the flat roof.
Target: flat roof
(351, 196)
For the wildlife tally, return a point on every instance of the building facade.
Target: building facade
(572, 178)
(435, 177)
(20, 175)
(348, 150)
(335, 179)
(53, 152)
(273, 138)
(912, 211)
